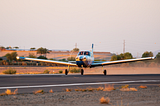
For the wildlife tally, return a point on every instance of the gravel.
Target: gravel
(143, 97)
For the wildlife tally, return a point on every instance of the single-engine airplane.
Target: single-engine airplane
(86, 59)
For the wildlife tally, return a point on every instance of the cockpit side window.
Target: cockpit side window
(87, 53)
(80, 53)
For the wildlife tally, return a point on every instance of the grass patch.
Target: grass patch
(10, 71)
(46, 71)
(60, 71)
(75, 70)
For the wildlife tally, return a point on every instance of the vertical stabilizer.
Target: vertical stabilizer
(92, 48)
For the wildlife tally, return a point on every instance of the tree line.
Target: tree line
(42, 52)
(128, 55)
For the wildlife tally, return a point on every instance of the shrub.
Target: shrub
(38, 91)
(46, 71)
(60, 71)
(71, 59)
(41, 57)
(75, 70)
(31, 55)
(64, 60)
(10, 71)
(104, 100)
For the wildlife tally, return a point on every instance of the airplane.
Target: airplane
(86, 59)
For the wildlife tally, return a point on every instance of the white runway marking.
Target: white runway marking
(75, 84)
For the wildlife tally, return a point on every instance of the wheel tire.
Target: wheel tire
(66, 72)
(105, 72)
(82, 71)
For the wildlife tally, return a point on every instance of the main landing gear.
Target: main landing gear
(104, 71)
(66, 72)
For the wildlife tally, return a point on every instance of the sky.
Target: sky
(60, 24)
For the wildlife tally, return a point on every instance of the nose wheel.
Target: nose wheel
(82, 71)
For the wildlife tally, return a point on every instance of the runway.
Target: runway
(59, 82)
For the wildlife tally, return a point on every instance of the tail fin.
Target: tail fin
(92, 48)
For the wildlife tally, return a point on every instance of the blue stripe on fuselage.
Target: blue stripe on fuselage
(21, 57)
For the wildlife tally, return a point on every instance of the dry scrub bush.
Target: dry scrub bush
(104, 100)
(10, 71)
(142, 86)
(99, 88)
(9, 92)
(68, 90)
(46, 71)
(108, 88)
(128, 89)
(124, 86)
(39, 91)
(51, 91)
(89, 89)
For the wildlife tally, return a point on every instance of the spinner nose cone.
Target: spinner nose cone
(80, 57)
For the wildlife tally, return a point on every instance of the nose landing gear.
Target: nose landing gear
(82, 71)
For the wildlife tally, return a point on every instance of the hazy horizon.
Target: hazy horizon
(60, 24)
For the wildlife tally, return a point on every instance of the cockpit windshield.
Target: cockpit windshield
(84, 53)
(80, 53)
(87, 53)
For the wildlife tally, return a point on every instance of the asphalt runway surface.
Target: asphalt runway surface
(59, 82)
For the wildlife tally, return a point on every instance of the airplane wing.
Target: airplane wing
(121, 61)
(48, 61)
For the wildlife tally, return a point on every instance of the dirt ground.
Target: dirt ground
(143, 97)
(97, 70)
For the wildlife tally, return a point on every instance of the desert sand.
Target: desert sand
(97, 70)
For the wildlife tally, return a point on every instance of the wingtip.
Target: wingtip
(17, 57)
(153, 57)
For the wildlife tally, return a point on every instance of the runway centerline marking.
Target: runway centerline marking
(74, 84)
